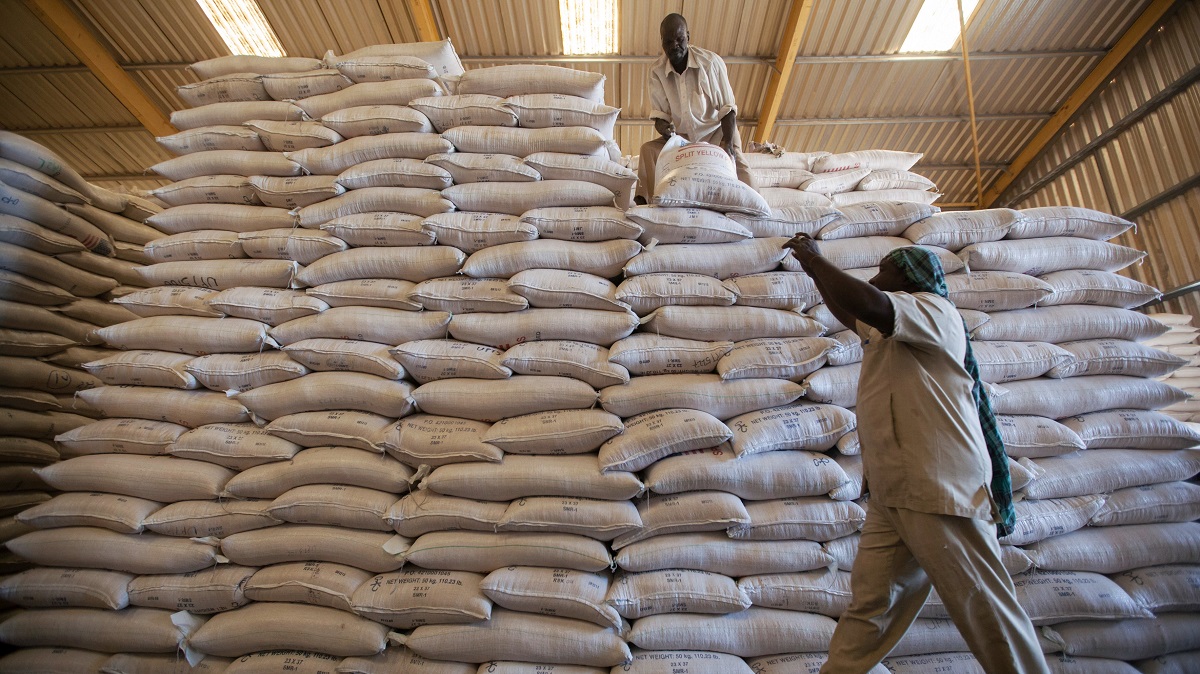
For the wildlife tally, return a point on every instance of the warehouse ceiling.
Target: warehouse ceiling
(89, 78)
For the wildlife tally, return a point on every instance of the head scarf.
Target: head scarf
(924, 270)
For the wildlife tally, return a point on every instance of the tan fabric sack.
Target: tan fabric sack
(425, 511)
(799, 426)
(75, 588)
(140, 630)
(368, 550)
(93, 548)
(370, 324)
(342, 428)
(144, 368)
(521, 476)
(791, 358)
(122, 514)
(385, 293)
(522, 637)
(753, 632)
(594, 518)
(647, 354)
(512, 328)
(234, 446)
(996, 290)
(651, 436)
(408, 263)
(244, 371)
(490, 400)
(220, 588)
(719, 260)
(165, 479)
(414, 597)
(584, 361)
(685, 513)
(336, 505)
(647, 292)
(383, 228)
(199, 519)
(822, 591)
(425, 439)
(221, 274)
(715, 552)
(556, 592)
(120, 436)
(1036, 437)
(604, 259)
(187, 408)
(637, 595)
(274, 626)
(316, 583)
(428, 360)
(319, 391)
(772, 475)
(560, 288)
(554, 432)
(474, 231)
(813, 518)
(170, 301)
(345, 355)
(705, 392)
(775, 290)
(189, 334)
(323, 465)
(484, 552)
(464, 295)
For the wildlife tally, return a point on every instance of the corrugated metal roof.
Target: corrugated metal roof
(848, 69)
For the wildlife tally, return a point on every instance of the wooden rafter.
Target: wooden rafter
(75, 35)
(423, 19)
(1077, 98)
(784, 63)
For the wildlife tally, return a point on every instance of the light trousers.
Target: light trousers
(901, 555)
(652, 148)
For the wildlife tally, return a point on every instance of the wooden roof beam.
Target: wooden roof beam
(784, 63)
(423, 19)
(1077, 98)
(75, 35)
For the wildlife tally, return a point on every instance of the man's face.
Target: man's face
(891, 279)
(675, 41)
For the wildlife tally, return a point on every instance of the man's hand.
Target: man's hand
(664, 128)
(804, 248)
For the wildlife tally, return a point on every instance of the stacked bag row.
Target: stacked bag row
(66, 246)
(838, 179)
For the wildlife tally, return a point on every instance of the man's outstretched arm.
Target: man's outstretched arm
(846, 296)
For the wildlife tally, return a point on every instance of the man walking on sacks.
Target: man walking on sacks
(690, 96)
(936, 467)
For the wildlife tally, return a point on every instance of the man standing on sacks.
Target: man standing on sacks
(690, 96)
(936, 466)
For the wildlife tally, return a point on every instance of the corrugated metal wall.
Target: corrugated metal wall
(1153, 156)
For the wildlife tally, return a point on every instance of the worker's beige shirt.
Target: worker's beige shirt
(694, 101)
(922, 445)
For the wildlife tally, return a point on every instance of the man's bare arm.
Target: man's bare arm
(846, 296)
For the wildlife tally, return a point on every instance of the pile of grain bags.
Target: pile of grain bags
(66, 246)
(841, 179)
(427, 379)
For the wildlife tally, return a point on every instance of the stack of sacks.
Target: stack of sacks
(65, 246)
(739, 487)
(1180, 341)
(1074, 387)
(825, 179)
(515, 506)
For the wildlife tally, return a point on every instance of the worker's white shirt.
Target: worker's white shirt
(922, 445)
(694, 101)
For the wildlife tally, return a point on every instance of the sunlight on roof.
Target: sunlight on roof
(243, 27)
(588, 26)
(936, 27)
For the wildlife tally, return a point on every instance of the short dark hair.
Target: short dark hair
(672, 18)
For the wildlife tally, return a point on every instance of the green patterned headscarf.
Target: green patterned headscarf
(922, 268)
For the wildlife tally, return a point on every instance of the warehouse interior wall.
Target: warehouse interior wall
(1133, 151)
